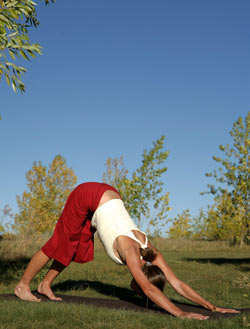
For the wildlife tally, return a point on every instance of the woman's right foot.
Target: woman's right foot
(44, 289)
(24, 293)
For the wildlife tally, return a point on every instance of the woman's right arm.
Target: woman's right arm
(185, 290)
(155, 294)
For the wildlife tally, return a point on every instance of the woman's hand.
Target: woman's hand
(224, 310)
(191, 315)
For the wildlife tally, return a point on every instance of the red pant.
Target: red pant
(73, 237)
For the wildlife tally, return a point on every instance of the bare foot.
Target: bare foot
(44, 289)
(24, 293)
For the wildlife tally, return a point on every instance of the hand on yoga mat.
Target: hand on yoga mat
(195, 316)
(225, 310)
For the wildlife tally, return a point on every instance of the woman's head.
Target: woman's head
(153, 273)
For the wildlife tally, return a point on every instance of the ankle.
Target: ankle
(23, 283)
(44, 284)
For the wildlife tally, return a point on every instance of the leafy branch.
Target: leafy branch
(16, 17)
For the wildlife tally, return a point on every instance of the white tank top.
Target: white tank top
(112, 220)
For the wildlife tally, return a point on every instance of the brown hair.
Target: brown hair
(152, 272)
(148, 254)
(154, 275)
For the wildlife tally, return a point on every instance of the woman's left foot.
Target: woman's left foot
(43, 289)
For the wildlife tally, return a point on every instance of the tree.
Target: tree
(198, 225)
(16, 17)
(115, 173)
(181, 226)
(6, 215)
(224, 221)
(48, 189)
(233, 178)
(142, 192)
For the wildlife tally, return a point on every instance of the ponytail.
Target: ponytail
(153, 273)
(148, 254)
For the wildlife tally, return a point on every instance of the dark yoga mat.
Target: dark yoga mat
(140, 306)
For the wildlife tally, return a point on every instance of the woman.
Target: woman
(98, 207)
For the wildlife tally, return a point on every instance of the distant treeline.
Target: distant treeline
(228, 218)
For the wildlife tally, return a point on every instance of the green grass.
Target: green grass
(219, 273)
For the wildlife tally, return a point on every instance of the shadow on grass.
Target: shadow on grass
(10, 269)
(125, 295)
(100, 287)
(222, 261)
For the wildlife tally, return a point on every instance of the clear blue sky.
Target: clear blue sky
(115, 76)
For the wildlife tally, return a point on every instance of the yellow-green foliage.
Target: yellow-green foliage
(181, 226)
(229, 218)
(48, 189)
(225, 221)
(15, 18)
(144, 189)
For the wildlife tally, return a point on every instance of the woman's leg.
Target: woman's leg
(37, 262)
(44, 287)
(107, 196)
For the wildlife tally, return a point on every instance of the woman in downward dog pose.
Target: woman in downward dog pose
(98, 207)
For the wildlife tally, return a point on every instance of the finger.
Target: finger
(232, 311)
(199, 316)
(227, 310)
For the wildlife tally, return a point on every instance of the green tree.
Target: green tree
(224, 221)
(143, 191)
(181, 226)
(198, 225)
(16, 17)
(48, 188)
(233, 180)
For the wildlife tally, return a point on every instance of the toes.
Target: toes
(58, 299)
(36, 300)
(55, 298)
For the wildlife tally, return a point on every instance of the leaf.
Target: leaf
(21, 87)
(14, 13)
(12, 54)
(7, 78)
(23, 54)
(13, 84)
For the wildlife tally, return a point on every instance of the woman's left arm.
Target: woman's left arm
(183, 289)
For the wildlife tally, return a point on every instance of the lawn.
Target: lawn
(219, 273)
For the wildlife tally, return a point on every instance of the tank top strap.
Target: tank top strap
(146, 242)
(131, 235)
